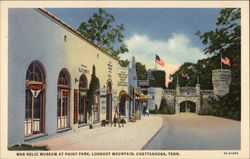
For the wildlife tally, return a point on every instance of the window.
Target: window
(82, 115)
(34, 99)
(63, 96)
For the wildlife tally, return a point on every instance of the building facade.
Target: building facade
(50, 66)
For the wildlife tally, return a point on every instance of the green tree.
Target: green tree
(158, 79)
(101, 29)
(141, 71)
(163, 109)
(225, 39)
(124, 63)
(189, 72)
(94, 83)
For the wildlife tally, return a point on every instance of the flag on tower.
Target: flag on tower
(159, 60)
(226, 61)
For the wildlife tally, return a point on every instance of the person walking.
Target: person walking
(147, 112)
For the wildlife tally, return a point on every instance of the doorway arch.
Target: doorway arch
(187, 106)
(192, 99)
(123, 97)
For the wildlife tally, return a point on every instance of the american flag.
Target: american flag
(159, 60)
(226, 61)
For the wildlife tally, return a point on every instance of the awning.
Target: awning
(124, 93)
(145, 97)
(139, 93)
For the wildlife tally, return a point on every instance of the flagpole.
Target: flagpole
(220, 61)
(155, 62)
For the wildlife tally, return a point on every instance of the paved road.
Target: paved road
(188, 131)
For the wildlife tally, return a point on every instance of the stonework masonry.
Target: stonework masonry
(221, 79)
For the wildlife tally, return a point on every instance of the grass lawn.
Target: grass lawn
(28, 147)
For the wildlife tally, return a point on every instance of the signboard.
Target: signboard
(143, 83)
(110, 67)
(75, 106)
(83, 69)
(103, 100)
(123, 78)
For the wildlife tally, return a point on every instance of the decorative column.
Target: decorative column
(177, 108)
(198, 105)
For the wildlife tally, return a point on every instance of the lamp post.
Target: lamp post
(186, 104)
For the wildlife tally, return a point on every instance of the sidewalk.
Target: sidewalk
(133, 136)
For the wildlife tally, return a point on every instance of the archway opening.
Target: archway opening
(123, 95)
(187, 106)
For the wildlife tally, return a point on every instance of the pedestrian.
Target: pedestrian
(147, 112)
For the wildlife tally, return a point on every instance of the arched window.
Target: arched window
(63, 96)
(35, 99)
(83, 82)
(82, 117)
(35, 73)
(63, 80)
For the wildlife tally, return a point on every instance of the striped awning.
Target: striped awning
(124, 93)
(142, 96)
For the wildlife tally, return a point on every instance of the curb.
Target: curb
(143, 148)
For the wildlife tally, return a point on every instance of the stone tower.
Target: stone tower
(221, 79)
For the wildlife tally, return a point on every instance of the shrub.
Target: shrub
(165, 108)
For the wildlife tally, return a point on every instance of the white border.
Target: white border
(243, 153)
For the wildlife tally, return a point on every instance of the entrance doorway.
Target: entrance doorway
(123, 97)
(187, 106)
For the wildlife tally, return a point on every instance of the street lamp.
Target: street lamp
(186, 101)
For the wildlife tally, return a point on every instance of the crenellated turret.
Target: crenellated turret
(221, 79)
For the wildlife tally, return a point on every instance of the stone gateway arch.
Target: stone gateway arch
(221, 79)
(181, 94)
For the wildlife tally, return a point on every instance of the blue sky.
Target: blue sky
(168, 32)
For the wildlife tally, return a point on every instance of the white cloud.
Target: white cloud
(174, 51)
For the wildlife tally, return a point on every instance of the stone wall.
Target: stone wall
(221, 79)
(157, 94)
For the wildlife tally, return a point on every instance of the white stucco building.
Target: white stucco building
(50, 66)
